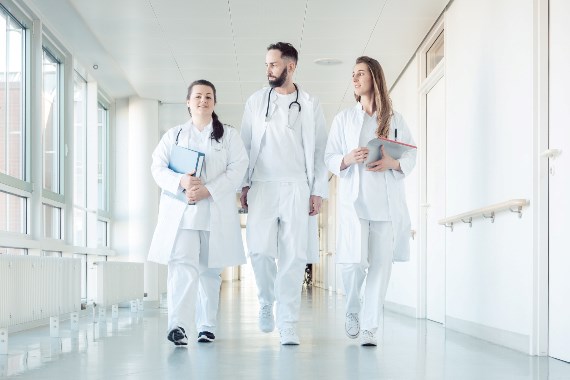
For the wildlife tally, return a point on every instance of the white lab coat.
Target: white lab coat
(226, 162)
(343, 138)
(314, 135)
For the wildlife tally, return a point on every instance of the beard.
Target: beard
(280, 80)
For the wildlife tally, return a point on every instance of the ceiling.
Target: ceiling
(155, 48)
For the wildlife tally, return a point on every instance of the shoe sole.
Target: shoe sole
(368, 344)
(205, 339)
(290, 343)
(352, 336)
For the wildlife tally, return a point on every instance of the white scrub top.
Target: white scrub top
(281, 157)
(372, 200)
(197, 216)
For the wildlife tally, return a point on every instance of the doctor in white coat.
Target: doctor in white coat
(197, 240)
(373, 219)
(284, 133)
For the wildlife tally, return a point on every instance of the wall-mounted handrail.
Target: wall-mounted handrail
(489, 212)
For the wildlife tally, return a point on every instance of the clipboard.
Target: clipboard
(185, 160)
(394, 148)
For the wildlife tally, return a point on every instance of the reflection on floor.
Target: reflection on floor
(135, 347)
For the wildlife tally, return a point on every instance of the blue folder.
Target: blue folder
(183, 161)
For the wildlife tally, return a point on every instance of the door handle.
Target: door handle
(551, 153)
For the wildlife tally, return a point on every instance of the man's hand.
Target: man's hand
(315, 203)
(243, 197)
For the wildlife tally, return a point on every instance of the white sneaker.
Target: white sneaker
(266, 320)
(289, 337)
(352, 325)
(367, 338)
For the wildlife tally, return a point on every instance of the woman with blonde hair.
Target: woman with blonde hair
(373, 219)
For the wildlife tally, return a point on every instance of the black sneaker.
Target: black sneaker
(178, 336)
(206, 337)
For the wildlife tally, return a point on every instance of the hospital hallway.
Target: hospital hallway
(135, 347)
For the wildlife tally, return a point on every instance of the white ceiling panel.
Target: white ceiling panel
(199, 28)
(155, 48)
(282, 28)
(187, 11)
(204, 45)
(213, 75)
(107, 9)
(207, 61)
(270, 9)
(355, 9)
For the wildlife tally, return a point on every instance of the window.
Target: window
(434, 54)
(12, 85)
(13, 208)
(103, 166)
(12, 213)
(51, 122)
(52, 222)
(13, 251)
(79, 160)
(102, 239)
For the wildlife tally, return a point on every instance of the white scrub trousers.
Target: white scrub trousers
(189, 277)
(277, 228)
(376, 267)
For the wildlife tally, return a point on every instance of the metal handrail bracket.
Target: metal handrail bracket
(489, 212)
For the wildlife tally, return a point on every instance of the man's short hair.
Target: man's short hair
(287, 50)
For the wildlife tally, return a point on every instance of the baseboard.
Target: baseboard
(515, 341)
(406, 310)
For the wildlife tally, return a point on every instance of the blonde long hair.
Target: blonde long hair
(381, 97)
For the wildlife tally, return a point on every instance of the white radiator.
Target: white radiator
(34, 287)
(119, 282)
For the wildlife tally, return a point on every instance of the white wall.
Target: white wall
(489, 116)
(402, 291)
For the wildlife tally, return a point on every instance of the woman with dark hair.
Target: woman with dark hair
(199, 236)
(374, 223)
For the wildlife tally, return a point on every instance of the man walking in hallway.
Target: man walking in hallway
(284, 132)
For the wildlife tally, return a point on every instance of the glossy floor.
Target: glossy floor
(135, 347)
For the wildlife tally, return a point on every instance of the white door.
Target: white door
(435, 183)
(559, 181)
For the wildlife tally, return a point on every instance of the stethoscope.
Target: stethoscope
(295, 104)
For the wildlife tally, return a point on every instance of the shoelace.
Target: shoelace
(265, 311)
(287, 332)
(352, 319)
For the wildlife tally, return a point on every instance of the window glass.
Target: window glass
(79, 160)
(13, 251)
(102, 240)
(12, 213)
(51, 122)
(12, 137)
(434, 54)
(102, 172)
(52, 222)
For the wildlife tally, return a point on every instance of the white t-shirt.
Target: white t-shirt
(281, 157)
(372, 201)
(197, 216)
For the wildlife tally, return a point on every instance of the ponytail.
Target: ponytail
(217, 128)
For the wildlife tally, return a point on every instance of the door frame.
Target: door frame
(539, 331)
(425, 85)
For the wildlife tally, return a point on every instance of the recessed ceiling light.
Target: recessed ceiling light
(328, 61)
